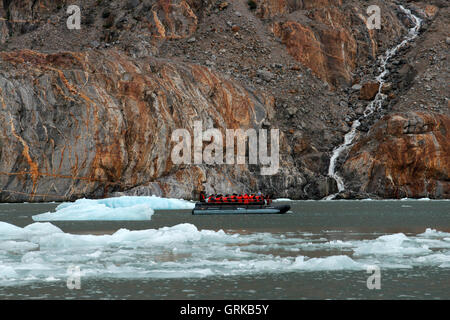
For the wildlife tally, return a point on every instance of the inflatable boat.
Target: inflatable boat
(237, 204)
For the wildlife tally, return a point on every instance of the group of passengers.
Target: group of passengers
(237, 198)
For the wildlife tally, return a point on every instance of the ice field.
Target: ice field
(43, 252)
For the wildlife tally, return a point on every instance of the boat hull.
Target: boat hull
(205, 209)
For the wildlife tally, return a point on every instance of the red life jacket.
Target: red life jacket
(240, 198)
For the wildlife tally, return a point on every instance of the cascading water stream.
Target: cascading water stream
(376, 104)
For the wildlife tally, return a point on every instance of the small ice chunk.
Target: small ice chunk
(331, 263)
(433, 233)
(42, 228)
(282, 200)
(51, 279)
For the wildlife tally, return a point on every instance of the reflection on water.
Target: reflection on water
(321, 250)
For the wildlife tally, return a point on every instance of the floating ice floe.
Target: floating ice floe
(393, 244)
(282, 200)
(332, 263)
(119, 208)
(433, 233)
(421, 199)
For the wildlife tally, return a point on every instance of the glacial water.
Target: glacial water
(322, 250)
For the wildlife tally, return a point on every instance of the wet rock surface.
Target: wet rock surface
(405, 155)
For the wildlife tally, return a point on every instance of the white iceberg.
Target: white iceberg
(120, 208)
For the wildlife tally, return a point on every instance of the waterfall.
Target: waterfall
(375, 105)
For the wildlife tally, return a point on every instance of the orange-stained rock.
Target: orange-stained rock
(369, 90)
(223, 5)
(327, 36)
(172, 19)
(431, 10)
(403, 155)
(324, 44)
(88, 124)
(270, 8)
(329, 53)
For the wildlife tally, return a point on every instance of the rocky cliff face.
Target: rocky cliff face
(330, 37)
(90, 112)
(405, 155)
(83, 124)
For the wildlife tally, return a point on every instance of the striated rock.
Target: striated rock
(330, 53)
(403, 155)
(141, 27)
(173, 19)
(271, 8)
(24, 15)
(4, 31)
(86, 124)
(328, 36)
